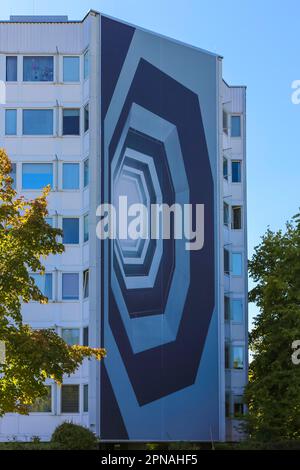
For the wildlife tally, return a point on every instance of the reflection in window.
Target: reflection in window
(42, 404)
(86, 228)
(85, 398)
(85, 284)
(71, 336)
(38, 69)
(236, 217)
(237, 357)
(44, 283)
(86, 118)
(37, 175)
(226, 261)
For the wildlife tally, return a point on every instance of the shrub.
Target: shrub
(73, 437)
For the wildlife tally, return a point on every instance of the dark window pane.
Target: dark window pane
(37, 69)
(226, 261)
(86, 336)
(236, 172)
(71, 122)
(71, 230)
(227, 307)
(226, 213)
(38, 122)
(11, 68)
(225, 168)
(70, 399)
(86, 118)
(85, 398)
(13, 175)
(236, 217)
(85, 283)
(238, 410)
(227, 356)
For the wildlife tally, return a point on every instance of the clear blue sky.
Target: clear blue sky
(260, 42)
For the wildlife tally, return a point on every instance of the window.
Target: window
(86, 118)
(236, 174)
(86, 172)
(226, 213)
(38, 69)
(44, 283)
(236, 217)
(11, 68)
(49, 221)
(42, 404)
(237, 264)
(226, 307)
(13, 175)
(71, 122)
(37, 175)
(71, 69)
(70, 230)
(225, 168)
(70, 399)
(227, 404)
(86, 228)
(226, 261)
(71, 336)
(237, 357)
(37, 122)
(85, 284)
(238, 406)
(86, 64)
(235, 126)
(10, 122)
(225, 122)
(85, 398)
(70, 286)
(227, 356)
(71, 176)
(85, 336)
(236, 309)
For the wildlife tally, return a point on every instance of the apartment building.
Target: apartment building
(91, 104)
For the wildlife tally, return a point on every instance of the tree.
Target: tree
(273, 392)
(31, 355)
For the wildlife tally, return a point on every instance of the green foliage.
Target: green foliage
(273, 392)
(31, 355)
(73, 437)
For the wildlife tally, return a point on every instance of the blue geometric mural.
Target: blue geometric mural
(158, 299)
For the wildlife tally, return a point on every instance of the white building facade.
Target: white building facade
(50, 128)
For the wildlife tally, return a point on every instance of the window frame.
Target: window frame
(233, 209)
